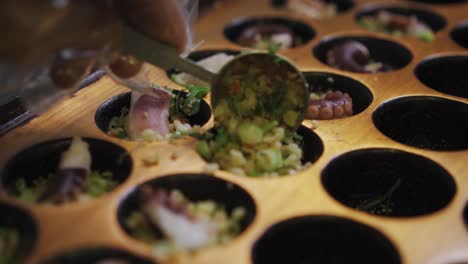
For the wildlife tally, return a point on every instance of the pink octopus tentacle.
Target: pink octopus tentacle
(331, 105)
(69, 180)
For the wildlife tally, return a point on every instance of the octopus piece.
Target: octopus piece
(174, 219)
(254, 36)
(312, 8)
(68, 181)
(354, 56)
(331, 105)
(149, 111)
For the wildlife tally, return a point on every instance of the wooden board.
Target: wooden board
(439, 237)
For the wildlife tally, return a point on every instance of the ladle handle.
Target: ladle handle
(160, 54)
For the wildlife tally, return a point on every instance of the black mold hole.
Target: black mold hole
(381, 50)
(445, 74)
(388, 182)
(424, 122)
(20, 221)
(93, 255)
(312, 145)
(323, 81)
(112, 107)
(303, 33)
(440, 2)
(341, 5)
(435, 21)
(196, 187)
(200, 55)
(465, 215)
(207, 6)
(42, 159)
(460, 34)
(323, 239)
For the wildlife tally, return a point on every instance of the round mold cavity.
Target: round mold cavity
(465, 215)
(95, 255)
(388, 182)
(460, 34)
(200, 55)
(42, 159)
(435, 21)
(312, 145)
(425, 122)
(195, 187)
(323, 239)
(341, 5)
(207, 6)
(24, 225)
(324, 81)
(112, 108)
(303, 33)
(445, 74)
(388, 52)
(440, 2)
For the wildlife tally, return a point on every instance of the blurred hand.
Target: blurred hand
(36, 29)
(71, 36)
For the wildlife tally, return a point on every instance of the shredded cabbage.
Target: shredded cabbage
(96, 184)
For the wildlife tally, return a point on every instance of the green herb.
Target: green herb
(190, 104)
(380, 204)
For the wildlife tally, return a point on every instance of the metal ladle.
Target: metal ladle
(280, 73)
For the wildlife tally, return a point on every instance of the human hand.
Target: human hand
(67, 38)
